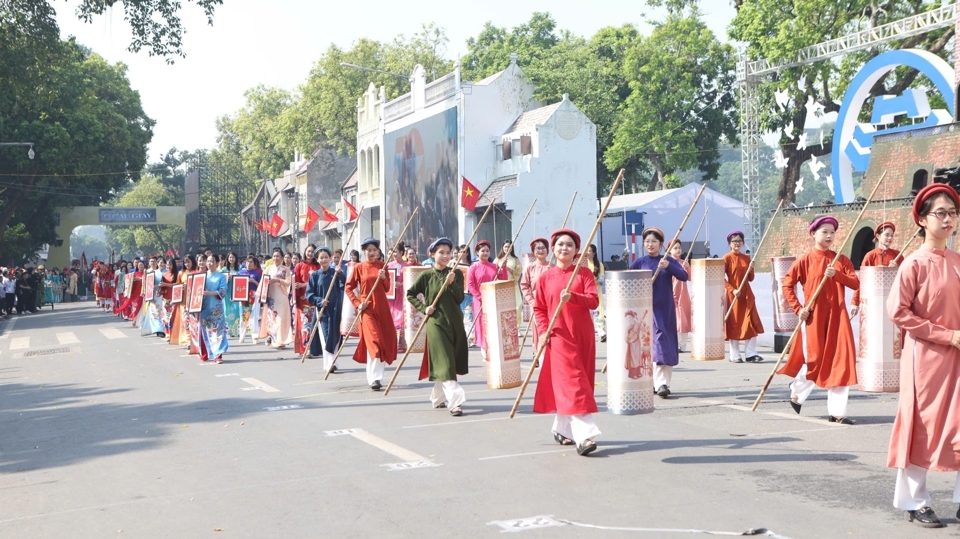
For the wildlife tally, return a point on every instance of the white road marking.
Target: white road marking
(411, 465)
(287, 407)
(521, 524)
(257, 384)
(9, 328)
(113, 333)
(19, 343)
(222, 375)
(388, 447)
(67, 338)
(784, 415)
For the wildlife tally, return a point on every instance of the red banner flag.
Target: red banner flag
(328, 215)
(275, 225)
(352, 212)
(312, 218)
(257, 224)
(265, 224)
(469, 194)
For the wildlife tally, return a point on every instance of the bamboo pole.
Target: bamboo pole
(326, 298)
(810, 301)
(556, 314)
(435, 300)
(526, 332)
(504, 263)
(372, 289)
(683, 224)
(908, 244)
(736, 295)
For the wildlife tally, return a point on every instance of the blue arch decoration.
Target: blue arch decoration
(932, 66)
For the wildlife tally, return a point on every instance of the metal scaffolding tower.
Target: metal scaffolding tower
(751, 73)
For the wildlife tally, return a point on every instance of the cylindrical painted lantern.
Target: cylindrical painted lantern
(500, 333)
(878, 368)
(349, 313)
(784, 319)
(629, 310)
(707, 294)
(412, 318)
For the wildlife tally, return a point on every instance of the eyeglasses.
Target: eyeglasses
(942, 214)
(737, 242)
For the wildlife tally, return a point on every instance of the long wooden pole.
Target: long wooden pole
(686, 259)
(915, 236)
(326, 297)
(372, 289)
(810, 301)
(504, 262)
(545, 338)
(736, 295)
(683, 224)
(526, 332)
(435, 301)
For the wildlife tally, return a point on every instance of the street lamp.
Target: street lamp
(361, 68)
(30, 153)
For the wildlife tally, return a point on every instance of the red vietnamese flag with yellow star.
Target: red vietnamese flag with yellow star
(312, 218)
(352, 212)
(469, 194)
(276, 224)
(329, 216)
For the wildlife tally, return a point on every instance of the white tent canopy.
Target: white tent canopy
(665, 210)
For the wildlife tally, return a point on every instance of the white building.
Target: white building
(413, 151)
(629, 214)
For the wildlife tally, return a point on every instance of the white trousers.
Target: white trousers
(836, 396)
(578, 428)
(327, 356)
(682, 340)
(374, 370)
(662, 374)
(449, 392)
(749, 344)
(911, 492)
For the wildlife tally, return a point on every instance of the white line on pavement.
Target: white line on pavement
(9, 328)
(19, 343)
(260, 385)
(383, 445)
(113, 333)
(67, 338)
(784, 415)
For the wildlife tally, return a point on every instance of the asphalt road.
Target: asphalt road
(104, 433)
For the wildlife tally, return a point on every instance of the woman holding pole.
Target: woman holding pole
(446, 354)
(923, 303)
(681, 298)
(830, 360)
(665, 356)
(378, 337)
(531, 275)
(569, 366)
(320, 297)
(482, 271)
(743, 324)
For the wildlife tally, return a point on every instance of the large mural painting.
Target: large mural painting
(420, 171)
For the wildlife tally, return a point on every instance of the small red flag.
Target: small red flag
(352, 212)
(329, 216)
(265, 224)
(312, 218)
(469, 194)
(169, 252)
(275, 225)
(257, 224)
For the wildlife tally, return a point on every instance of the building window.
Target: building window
(362, 157)
(515, 150)
(499, 152)
(919, 181)
(376, 166)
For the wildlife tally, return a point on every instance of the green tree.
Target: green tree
(94, 248)
(255, 132)
(155, 24)
(149, 191)
(88, 127)
(777, 29)
(681, 105)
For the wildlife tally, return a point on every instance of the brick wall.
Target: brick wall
(901, 155)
